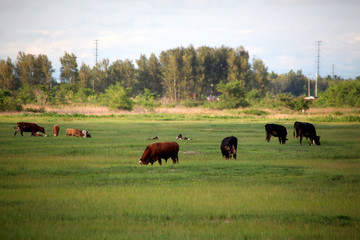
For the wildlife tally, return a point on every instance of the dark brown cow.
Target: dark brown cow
(28, 127)
(276, 131)
(74, 132)
(56, 130)
(304, 129)
(156, 151)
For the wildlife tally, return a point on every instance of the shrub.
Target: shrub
(8, 103)
(192, 103)
(233, 95)
(118, 97)
(147, 100)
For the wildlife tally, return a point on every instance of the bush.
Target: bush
(344, 93)
(8, 103)
(118, 97)
(84, 95)
(192, 103)
(233, 95)
(289, 101)
(147, 100)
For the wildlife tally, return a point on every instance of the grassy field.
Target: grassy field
(71, 188)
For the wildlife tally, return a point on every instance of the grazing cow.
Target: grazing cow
(86, 134)
(56, 130)
(181, 137)
(74, 132)
(304, 129)
(28, 127)
(229, 147)
(156, 151)
(276, 131)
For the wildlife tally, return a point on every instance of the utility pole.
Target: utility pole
(96, 51)
(318, 66)
(96, 61)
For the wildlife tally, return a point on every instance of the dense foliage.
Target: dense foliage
(181, 74)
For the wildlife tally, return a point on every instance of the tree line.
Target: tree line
(177, 74)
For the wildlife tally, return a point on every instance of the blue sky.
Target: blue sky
(283, 33)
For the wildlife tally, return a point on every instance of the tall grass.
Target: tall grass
(73, 188)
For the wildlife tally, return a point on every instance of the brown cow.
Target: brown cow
(74, 132)
(156, 151)
(28, 127)
(56, 130)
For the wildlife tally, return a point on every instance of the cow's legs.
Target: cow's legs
(16, 131)
(301, 137)
(159, 160)
(268, 136)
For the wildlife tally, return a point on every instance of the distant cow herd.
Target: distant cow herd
(165, 150)
(36, 130)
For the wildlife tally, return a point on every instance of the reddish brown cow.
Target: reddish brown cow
(74, 132)
(56, 130)
(156, 151)
(28, 127)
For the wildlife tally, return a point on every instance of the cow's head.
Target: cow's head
(141, 162)
(41, 129)
(317, 140)
(283, 140)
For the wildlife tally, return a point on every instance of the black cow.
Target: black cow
(304, 129)
(276, 131)
(229, 147)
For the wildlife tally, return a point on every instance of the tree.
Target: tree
(7, 78)
(155, 77)
(245, 68)
(188, 83)
(143, 75)
(205, 70)
(25, 69)
(260, 80)
(294, 83)
(44, 71)
(69, 69)
(102, 76)
(85, 77)
(171, 68)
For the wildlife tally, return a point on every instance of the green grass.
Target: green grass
(74, 188)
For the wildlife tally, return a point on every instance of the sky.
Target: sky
(284, 34)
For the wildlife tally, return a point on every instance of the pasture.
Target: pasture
(77, 188)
